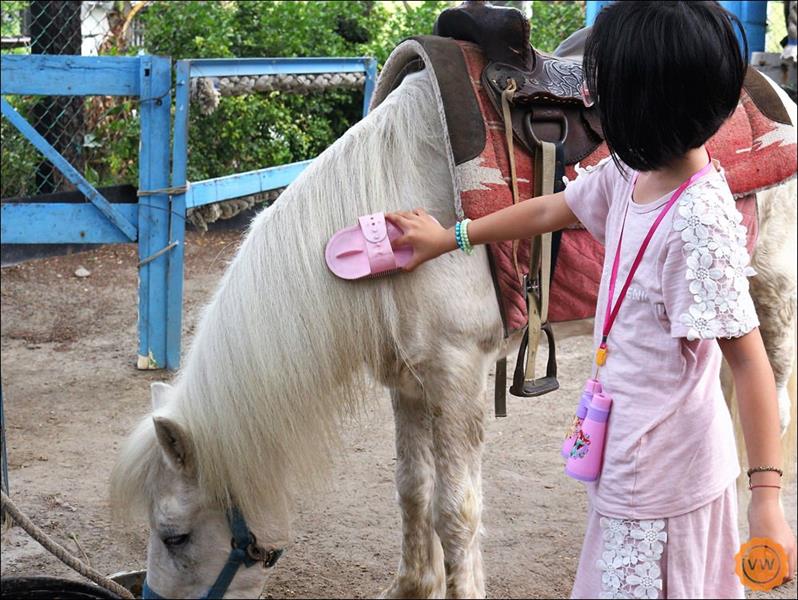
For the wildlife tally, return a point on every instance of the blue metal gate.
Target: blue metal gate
(97, 221)
(157, 221)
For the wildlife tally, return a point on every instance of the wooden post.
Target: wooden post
(177, 227)
(369, 84)
(154, 210)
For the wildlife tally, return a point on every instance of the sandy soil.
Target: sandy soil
(72, 393)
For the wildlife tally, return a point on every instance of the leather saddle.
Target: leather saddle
(547, 103)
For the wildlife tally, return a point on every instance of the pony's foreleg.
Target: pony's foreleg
(421, 572)
(458, 412)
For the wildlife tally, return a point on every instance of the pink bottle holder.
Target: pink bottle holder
(587, 453)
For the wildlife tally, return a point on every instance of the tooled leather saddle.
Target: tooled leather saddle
(547, 103)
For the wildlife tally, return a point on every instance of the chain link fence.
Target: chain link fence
(69, 123)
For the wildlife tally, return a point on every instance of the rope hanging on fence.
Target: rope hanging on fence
(206, 91)
(201, 216)
(60, 552)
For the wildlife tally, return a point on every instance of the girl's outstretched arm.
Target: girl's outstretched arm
(756, 397)
(520, 221)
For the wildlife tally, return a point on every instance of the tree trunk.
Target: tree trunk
(55, 29)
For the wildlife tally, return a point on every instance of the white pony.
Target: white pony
(284, 350)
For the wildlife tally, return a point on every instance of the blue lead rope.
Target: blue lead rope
(242, 538)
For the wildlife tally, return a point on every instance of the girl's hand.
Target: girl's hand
(423, 233)
(766, 519)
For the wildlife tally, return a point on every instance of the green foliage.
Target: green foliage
(257, 131)
(189, 29)
(111, 146)
(11, 17)
(18, 159)
(11, 12)
(305, 28)
(552, 22)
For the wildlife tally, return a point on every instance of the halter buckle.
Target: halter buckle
(256, 554)
(252, 541)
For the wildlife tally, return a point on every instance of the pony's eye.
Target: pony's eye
(175, 540)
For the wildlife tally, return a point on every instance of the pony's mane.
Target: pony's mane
(279, 352)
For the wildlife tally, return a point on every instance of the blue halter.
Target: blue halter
(245, 551)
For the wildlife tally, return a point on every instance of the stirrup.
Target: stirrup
(528, 388)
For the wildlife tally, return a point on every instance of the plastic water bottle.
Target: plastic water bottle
(584, 460)
(591, 387)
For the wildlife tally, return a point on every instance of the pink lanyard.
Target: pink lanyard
(612, 311)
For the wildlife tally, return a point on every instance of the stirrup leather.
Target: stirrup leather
(548, 164)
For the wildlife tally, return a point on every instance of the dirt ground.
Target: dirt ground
(72, 393)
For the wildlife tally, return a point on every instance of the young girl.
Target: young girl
(662, 520)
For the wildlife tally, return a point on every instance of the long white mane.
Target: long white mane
(279, 352)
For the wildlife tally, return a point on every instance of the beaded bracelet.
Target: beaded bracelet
(461, 236)
(764, 469)
(468, 248)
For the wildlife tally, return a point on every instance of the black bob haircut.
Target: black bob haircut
(664, 75)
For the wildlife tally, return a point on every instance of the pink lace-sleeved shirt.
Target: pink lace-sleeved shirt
(670, 445)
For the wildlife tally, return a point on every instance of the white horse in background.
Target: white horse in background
(284, 350)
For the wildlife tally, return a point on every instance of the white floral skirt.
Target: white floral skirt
(688, 556)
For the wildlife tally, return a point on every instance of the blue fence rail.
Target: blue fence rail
(157, 221)
(261, 180)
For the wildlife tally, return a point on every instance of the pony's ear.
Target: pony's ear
(175, 443)
(160, 393)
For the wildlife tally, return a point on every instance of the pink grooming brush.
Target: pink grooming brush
(365, 250)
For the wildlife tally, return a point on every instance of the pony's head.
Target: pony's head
(191, 534)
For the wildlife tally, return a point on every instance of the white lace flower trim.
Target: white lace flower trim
(717, 263)
(629, 564)
(580, 170)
